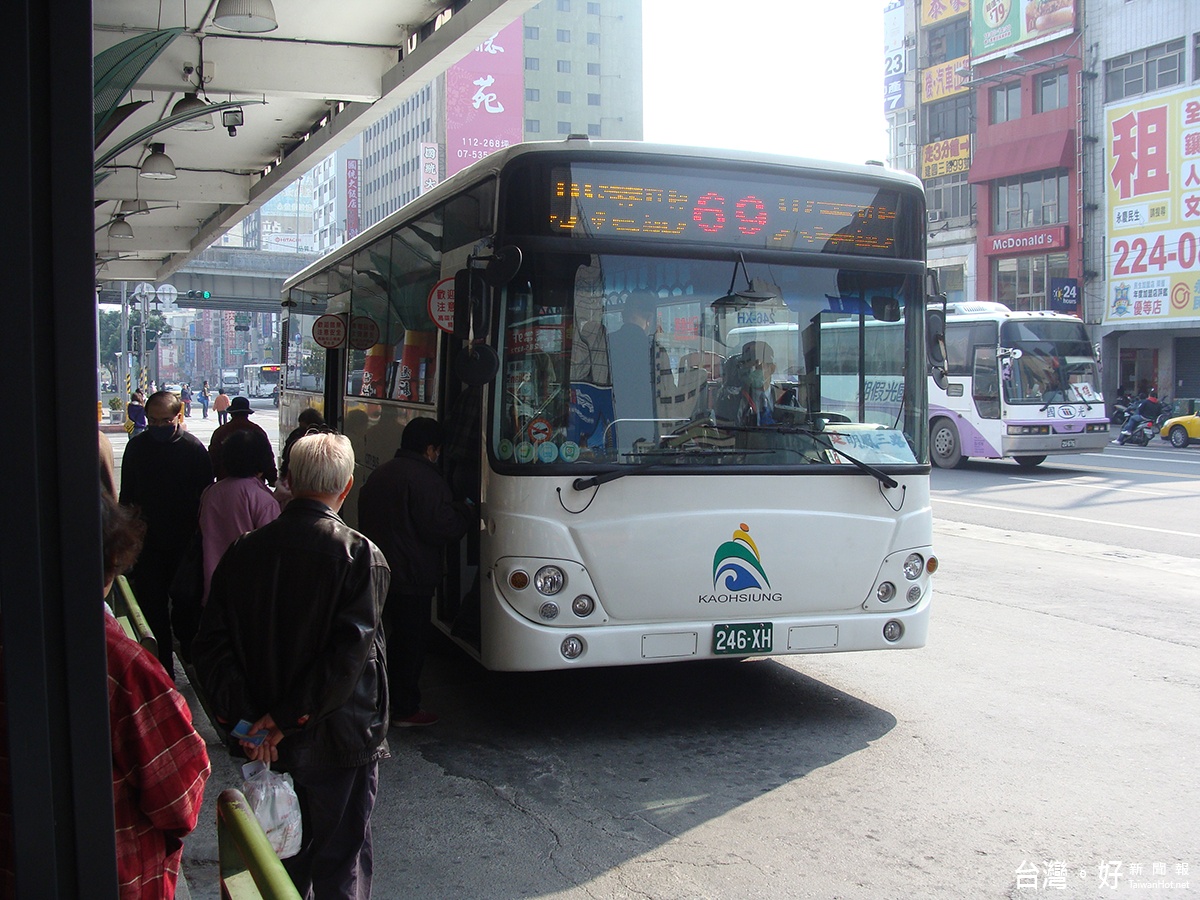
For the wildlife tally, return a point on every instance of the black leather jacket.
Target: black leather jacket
(292, 628)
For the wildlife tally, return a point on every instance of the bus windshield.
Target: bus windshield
(1055, 364)
(656, 361)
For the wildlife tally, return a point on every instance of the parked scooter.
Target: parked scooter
(1122, 408)
(1138, 431)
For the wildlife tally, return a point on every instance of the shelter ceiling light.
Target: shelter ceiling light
(157, 165)
(248, 16)
(120, 229)
(133, 208)
(190, 103)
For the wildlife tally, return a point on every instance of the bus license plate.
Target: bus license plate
(1068, 443)
(746, 637)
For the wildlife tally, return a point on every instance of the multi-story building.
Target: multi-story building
(1143, 175)
(1059, 144)
(568, 67)
(336, 192)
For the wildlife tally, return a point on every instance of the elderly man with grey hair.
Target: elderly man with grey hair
(291, 642)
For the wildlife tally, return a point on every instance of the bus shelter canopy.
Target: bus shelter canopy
(327, 72)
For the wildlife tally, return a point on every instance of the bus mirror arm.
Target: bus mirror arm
(938, 374)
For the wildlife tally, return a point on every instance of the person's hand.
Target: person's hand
(266, 751)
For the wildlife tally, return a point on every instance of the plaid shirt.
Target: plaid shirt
(160, 765)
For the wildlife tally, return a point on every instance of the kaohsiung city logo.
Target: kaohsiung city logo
(737, 565)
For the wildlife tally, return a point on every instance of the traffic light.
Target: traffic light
(199, 295)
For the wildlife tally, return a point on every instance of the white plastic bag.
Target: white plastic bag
(275, 804)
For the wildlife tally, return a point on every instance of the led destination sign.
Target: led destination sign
(746, 210)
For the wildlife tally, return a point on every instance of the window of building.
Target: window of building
(593, 69)
(1050, 91)
(593, 39)
(948, 118)
(564, 66)
(533, 126)
(593, 9)
(533, 95)
(950, 41)
(531, 32)
(563, 5)
(952, 280)
(564, 96)
(593, 131)
(1026, 201)
(902, 131)
(532, 64)
(563, 35)
(593, 99)
(948, 197)
(1022, 282)
(564, 127)
(1006, 102)
(1143, 71)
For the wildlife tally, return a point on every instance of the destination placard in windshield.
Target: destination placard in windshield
(750, 209)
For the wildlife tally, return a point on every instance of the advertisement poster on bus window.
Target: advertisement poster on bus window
(1152, 193)
(485, 99)
(1001, 26)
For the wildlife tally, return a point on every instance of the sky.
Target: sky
(796, 77)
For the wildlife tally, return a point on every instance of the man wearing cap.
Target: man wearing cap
(239, 420)
(758, 369)
(640, 370)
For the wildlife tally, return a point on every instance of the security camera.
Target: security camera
(231, 119)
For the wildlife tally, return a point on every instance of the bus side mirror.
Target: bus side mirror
(935, 345)
(885, 309)
(476, 364)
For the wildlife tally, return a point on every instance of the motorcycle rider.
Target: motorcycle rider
(1148, 409)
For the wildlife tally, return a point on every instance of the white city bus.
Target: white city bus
(1020, 385)
(690, 500)
(261, 379)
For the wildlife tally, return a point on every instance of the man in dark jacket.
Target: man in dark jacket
(407, 509)
(163, 473)
(291, 640)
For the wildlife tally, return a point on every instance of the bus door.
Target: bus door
(461, 415)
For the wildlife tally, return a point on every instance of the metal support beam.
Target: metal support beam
(60, 767)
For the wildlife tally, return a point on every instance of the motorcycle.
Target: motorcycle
(1137, 431)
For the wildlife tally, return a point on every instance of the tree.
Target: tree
(110, 342)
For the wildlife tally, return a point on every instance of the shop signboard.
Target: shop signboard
(999, 27)
(948, 157)
(1152, 183)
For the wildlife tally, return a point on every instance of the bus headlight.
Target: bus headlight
(885, 592)
(548, 610)
(572, 647)
(893, 631)
(583, 605)
(549, 580)
(913, 566)
(1028, 429)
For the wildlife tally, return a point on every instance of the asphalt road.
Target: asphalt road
(1044, 737)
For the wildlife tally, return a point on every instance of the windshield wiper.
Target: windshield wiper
(884, 478)
(817, 433)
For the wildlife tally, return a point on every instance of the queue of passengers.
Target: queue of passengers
(281, 608)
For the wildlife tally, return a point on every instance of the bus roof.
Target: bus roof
(990, 309)
(580, 144)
